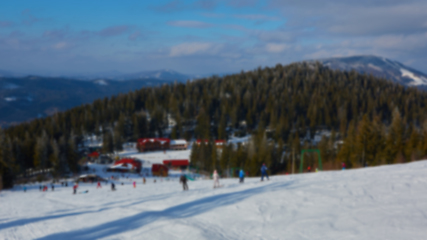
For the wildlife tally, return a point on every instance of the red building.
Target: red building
(153, 144)
(93, 155)
(159, 170)
(176, 163)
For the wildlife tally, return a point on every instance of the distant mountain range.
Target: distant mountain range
(164, 74)
(26, 98)
(379, 67)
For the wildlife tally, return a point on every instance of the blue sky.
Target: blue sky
(204, 36)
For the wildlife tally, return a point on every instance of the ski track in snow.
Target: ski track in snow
(387, 202)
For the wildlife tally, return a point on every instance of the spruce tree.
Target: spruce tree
(395, 138)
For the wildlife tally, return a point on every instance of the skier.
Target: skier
(113, 187)
(134, 184)
(216, 179)
(45, 188)
(309, 169)
(143, 180)
(241, 176)
(264, 172)
(99, 185)
(25, 188)
(75, 188)
(183, 180)
(343, 166)
(53, 187)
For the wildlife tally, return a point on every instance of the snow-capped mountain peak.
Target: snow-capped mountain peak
(379, 67)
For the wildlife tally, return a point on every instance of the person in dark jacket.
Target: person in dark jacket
(264, 172)
(113, 187)
(183, 180)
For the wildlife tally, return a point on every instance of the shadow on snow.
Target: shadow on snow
(21, 222)
(185, 210)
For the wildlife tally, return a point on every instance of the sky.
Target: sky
(204, 36)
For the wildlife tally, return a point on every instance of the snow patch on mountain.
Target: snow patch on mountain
(375, 67)
(418, 80)
(101, 82)
(10, 99)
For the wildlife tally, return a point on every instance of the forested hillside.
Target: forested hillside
(378, 121)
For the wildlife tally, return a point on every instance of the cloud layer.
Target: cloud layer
(208, 36)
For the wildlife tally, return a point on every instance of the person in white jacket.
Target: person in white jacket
(216, 179)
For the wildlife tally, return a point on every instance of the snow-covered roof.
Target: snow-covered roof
(160, 140)
(178, 142)
(123, 166)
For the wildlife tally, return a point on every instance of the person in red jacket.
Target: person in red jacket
(75, 188)
(309, 169)
(99, 185)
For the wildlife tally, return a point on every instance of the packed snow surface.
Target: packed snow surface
(388, 202)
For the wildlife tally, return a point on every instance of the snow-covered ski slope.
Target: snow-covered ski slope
(388, 202)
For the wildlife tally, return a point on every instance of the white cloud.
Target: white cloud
(276, 47)
(190, 48)
(60, 45)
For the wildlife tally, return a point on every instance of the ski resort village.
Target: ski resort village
(213, 119)
(236, 165)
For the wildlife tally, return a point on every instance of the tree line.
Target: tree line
(377, 121)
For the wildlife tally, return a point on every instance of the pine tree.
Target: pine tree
(214, 158)
(363, 138)
(7, 164)
(222, 134)
(107, 143)
(412, 147)
(347, 153)
(203, 125)
(394, 141)
(195, 156)
(71, 154)
(41, 152)
(54, 157)
(225, 157)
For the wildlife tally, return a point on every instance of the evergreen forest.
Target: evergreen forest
(372, 121)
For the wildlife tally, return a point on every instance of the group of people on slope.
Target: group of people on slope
(215, 176)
